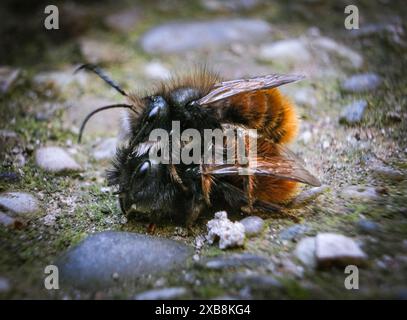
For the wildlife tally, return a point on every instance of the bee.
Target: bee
(201, 101)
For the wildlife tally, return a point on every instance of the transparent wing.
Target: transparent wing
(230, 88)
(286, 166)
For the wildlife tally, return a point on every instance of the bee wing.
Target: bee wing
(230, 88)
(285, 166)
(234, 195)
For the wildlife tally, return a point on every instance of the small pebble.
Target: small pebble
(338, 250)
(293, 232)
(4, 285)
(253, 225)
(388, 173)
(162, 294)
(10, 222)
(56, 160)
(362, 193)
(156, 70)
(353, 113)
(19, 203)
(308, 195)
(368, 226)
(234, 261)
(305, 252)
(362, 82)
(10, 177)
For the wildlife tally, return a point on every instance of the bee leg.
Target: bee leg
(249, 182)
(206, 184)
(250, 210)
(249, 190)
(151, 228)
(193, 212)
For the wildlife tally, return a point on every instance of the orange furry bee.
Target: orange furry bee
(202, 101)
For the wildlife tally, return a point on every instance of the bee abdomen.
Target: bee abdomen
(268, 111)
(281, 122)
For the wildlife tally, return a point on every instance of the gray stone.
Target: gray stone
(394, 116)
(105, 258)
(257, 281)
(337, 250)
(362, 193)
(56, 160)
(289, 51)
(8, 77)
(4, 285)
(287, 266)
(6, 220)
(305, 251)
(156, 70)
(334, 48)
(234, 261)
(123, 21)
(201, 35)
(162, 294)
(10, 222)
(19, 203)
(308, 195)
(388, 173)
(253, 225)
(353, 112)
(310, 52)
(293, 232)
(368, 226)
(106, 123)
(61, 79)
(98, 51)
(362, 82)
(229, 5)
(8, 134)
(10, 177)
(106, 149)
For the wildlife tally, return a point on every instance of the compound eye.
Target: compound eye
(158, 105)
(144, 168)
(153, 113)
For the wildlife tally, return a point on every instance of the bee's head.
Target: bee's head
(145, 186)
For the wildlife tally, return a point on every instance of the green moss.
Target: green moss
(209, 291)
(294, 290)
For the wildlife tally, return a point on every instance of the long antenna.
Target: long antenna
(102, 75)
(99, 110)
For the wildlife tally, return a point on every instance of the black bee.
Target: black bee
(202, 101)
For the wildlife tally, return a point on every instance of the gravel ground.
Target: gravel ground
(55, 205)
